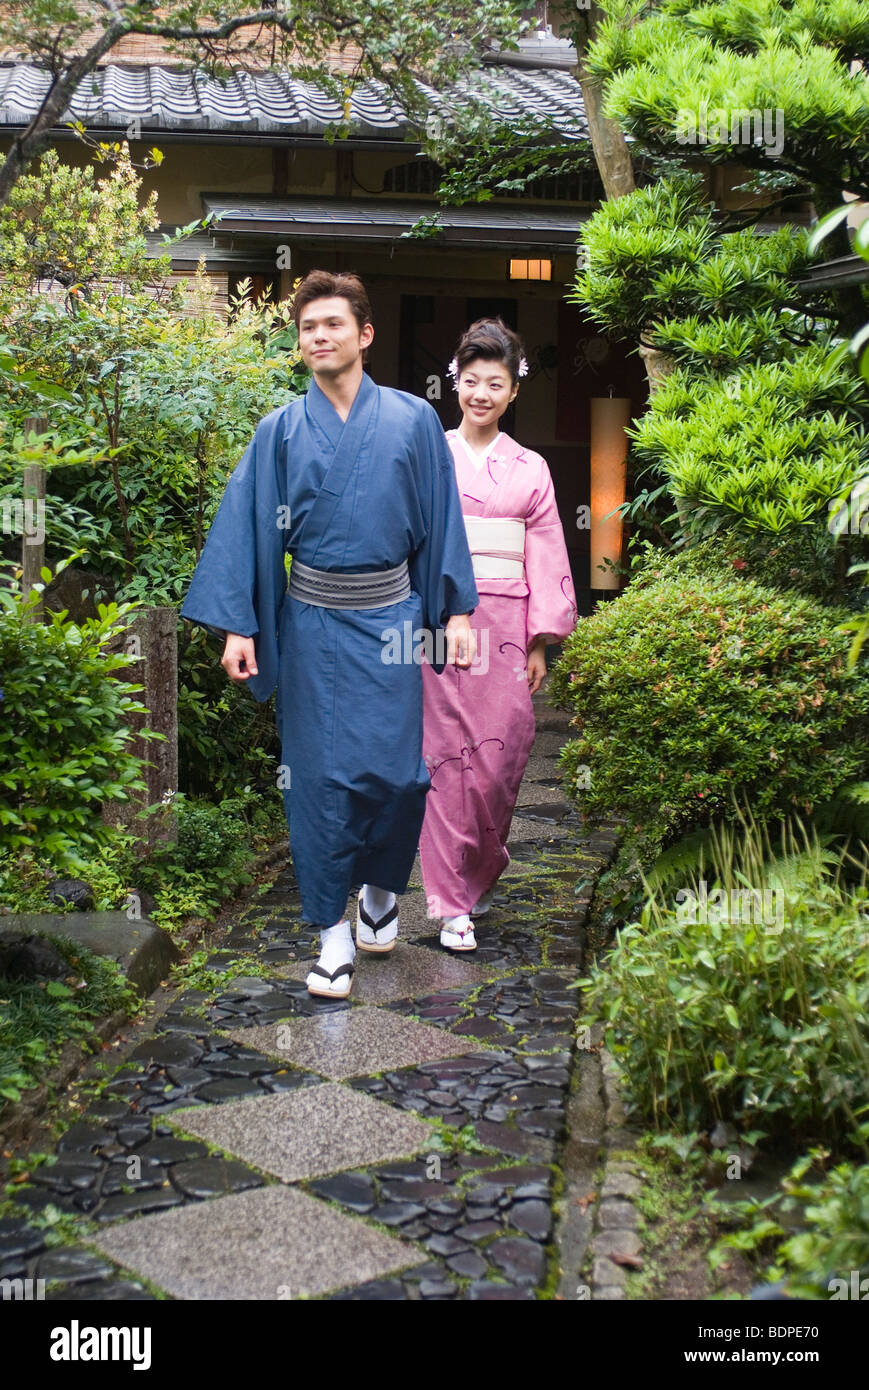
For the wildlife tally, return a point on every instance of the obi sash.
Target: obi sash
(497, 546)
(341, 589)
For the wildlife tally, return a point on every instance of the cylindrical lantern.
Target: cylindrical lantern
(609, 449)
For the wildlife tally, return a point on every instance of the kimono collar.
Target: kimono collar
(322, 412)
(480, 483)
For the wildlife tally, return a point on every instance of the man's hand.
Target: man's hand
(239, 658)
(461, 642)
(536, 665)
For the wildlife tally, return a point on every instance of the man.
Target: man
(357, 482)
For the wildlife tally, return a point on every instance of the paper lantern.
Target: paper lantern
(610, 416)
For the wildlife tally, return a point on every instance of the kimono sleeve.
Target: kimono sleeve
(240, 580)
(441, 570)
(552, 611)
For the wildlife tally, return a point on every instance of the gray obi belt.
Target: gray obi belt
(333, 589)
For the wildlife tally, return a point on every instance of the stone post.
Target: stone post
(33, 528)
(153, 639)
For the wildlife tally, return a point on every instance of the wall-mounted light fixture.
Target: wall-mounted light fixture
(610, 416)
(530, 270)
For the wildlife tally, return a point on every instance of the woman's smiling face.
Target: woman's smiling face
(485, 390)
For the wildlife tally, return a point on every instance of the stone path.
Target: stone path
(403, 1144)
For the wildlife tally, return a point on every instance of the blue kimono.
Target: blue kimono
(360, 495)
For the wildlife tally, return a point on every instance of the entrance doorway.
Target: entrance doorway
(430, 327)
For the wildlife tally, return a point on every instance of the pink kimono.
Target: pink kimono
(478, 724)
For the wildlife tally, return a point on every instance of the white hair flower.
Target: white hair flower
(453, 371)
(523, 366)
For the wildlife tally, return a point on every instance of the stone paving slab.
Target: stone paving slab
(355, 1042)
(305, 1134)
(404, 973)
(273, 1243)
(244, 1066)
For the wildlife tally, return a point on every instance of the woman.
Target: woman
(479, 723)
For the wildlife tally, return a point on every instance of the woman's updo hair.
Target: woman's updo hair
(493, 341)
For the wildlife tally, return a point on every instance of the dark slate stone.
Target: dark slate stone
(227, 1089)
(441, 1099)
(489, 1292)
(108, 1112)
(497, 1113)
(102, 1290)
(188, 1078)
(469, 1265)
(529, 1094)
(478, 1028)
(397, 1213)
(353, 1190)
(471, 1162)
(284, 1081)
(137, 1203)
(379, 1291)
(117, 1180)
(541, 1122)
(86, 1201)
(485, 1194)
(532, 1189)
(131, 1136)
(430, 1270)
(84, 1136)
(445, 1245)
(437, 1288)
(441, 1223)
(445, 1206)
(67, 1176)
(171, 1150)
(534, 1218)
(18, 1239)
(246, 1066)
(177, 1048)
(510, 1141)
(414, 1190)
(72, 890)
(479, 1230)
(521, 1260)
(213, 1177)
(72, 1266)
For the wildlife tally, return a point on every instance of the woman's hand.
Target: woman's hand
(239, 658)
(536, 665)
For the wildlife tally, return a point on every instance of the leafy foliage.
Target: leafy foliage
(212, 855)
(760, 425)
(151, 409)
(753, 1017)
(38, 1017)
(660, 61)
(688, 694)
(63, 737)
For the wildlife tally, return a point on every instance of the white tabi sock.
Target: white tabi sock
(377, 901)
(457, 924)
(336, 946)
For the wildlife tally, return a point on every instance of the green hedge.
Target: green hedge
(64, 730)
(688, 691)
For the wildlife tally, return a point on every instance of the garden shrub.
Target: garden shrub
(65, 729)
(226, 739)
(211, 857)
(827, 1255)
(752, 1010)
(690, 692)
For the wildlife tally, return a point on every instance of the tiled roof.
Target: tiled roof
(278, 103)
(383, 220)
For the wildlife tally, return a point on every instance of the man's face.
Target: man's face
(330, 339)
